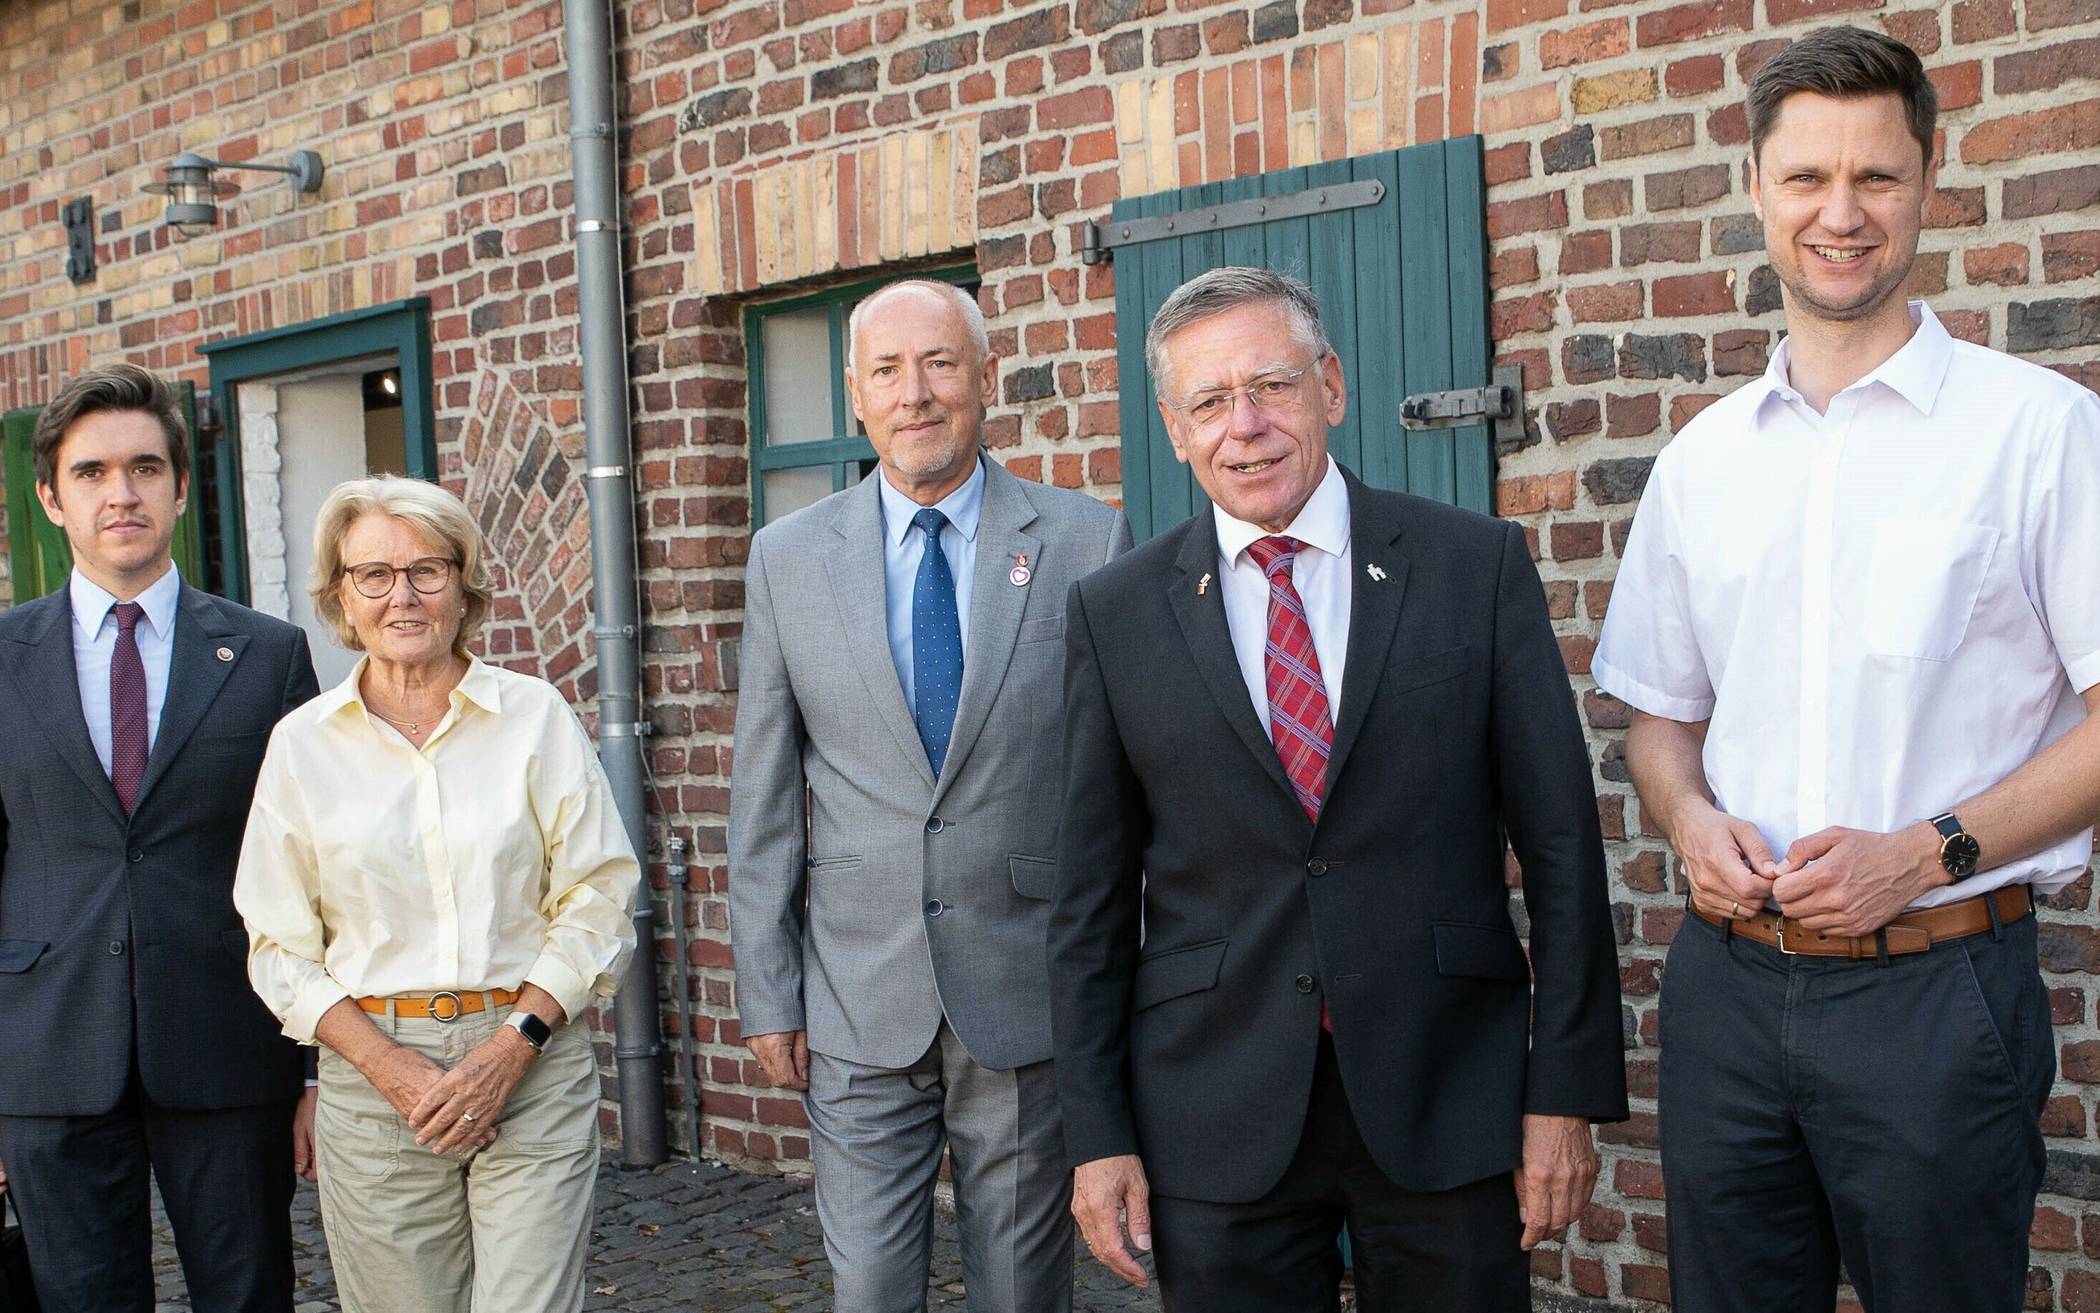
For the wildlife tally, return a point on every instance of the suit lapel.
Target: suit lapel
(49, 682)
(1199, 608)
(1374, 613)
(196, 673)
(995, 610)
(860, 590)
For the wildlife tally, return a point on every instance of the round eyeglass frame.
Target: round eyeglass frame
(395, 572)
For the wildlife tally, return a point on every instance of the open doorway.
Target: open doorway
(302, 410)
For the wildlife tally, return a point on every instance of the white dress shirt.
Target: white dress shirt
(1320, 574)
(95, 643)
(902, 546)
(1884, 610)
(492, 856)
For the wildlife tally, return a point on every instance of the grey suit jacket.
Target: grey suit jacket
(893, 897)
(119, 945)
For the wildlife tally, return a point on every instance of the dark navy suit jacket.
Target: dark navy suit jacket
(119, 943)
(1201, 921)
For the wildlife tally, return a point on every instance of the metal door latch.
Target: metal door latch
(1500, 403)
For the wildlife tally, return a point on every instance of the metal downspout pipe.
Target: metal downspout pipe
(602, 312)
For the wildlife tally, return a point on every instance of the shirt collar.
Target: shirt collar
(92, 602)
(962, 507)
(1322, 523)
(1914, 373)
(478, 686)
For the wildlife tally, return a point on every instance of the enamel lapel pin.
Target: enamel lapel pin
(1377, 575)
(1203, 585)
(1019, 574)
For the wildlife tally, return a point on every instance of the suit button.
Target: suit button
(934, 825)
(138, 854)
(116, 948)
(1305, 984)
(1316, 867)
(934, 907)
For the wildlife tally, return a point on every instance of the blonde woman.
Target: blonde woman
(435, 883)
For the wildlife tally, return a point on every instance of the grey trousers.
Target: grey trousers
(503, 1230)
(876, 1135)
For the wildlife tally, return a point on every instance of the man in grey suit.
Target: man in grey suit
(137, 710)
(902, 663)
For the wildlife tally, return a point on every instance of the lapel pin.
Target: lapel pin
(1203, 585)
(1373, 570)
(1019, 574)
(224, 654)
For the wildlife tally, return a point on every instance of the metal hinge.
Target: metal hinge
(1099, 241)
(1500, 403)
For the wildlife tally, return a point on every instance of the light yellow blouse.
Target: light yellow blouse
(491, 857)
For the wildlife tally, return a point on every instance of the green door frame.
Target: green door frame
(400, 327)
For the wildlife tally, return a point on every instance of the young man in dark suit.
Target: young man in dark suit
(138, 711)
(1286, 988)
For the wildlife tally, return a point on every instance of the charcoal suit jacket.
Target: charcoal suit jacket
(119, 943)
(1201, 921)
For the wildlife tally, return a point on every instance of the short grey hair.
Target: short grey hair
(1229, 288)
(972, 314)
(430, 510)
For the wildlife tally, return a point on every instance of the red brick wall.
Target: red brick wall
(782, 144)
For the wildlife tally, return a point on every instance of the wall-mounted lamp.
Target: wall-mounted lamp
(193, 194)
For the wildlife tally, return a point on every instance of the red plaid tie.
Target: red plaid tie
(1298, 722)
(127, 707)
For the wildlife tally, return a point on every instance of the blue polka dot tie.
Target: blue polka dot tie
(936, 642)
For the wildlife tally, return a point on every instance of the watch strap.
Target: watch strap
(1948, 824)
(535, 1031)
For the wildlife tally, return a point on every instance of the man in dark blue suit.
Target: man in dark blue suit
(137, 710)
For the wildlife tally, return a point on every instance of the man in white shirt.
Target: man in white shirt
(137, 710)
(1855, 619)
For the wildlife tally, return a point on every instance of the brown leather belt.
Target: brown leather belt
(445, 1005)
(1912, 932)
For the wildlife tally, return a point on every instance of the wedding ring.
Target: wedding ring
(466, 1116)
(1735, 913)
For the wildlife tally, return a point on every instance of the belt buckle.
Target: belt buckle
(459, 1007)
(1780, 931)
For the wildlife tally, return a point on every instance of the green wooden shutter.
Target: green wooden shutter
(39, 559)
(1403, 295)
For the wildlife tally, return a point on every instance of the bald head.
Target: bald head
(976, 338)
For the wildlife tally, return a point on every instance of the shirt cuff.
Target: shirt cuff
(311, 1004)
(569, 989)
(2084, 672)
(1654, 701)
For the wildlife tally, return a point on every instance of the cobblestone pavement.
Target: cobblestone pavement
(684, 1237)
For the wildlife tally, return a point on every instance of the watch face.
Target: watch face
(1959, 855)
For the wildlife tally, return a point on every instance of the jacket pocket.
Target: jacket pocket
(1049, 626)
(1486, 951)
(1034, 877)
(1406, 672)
(1176, 972)
(832, 865)
(18, 955)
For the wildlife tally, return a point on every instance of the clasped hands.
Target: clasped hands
(1836, 881)
(455, 1111)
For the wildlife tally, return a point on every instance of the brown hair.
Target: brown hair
(1844, 63)
(110, 388)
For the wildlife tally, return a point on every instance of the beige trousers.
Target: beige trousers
(503, 1230)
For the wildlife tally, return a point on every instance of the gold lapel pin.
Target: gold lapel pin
(224, 654)
(1203, 585)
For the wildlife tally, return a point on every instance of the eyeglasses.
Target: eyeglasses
(375, 579)
(1271, 394)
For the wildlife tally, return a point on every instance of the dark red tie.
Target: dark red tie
(127, 706)
(1298, 722)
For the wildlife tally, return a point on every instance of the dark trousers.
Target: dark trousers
(1435, 1252)
(225, 1176)
(1882, 1113)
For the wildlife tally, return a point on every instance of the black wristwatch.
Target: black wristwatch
(1959, 851)
(535, 1031)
